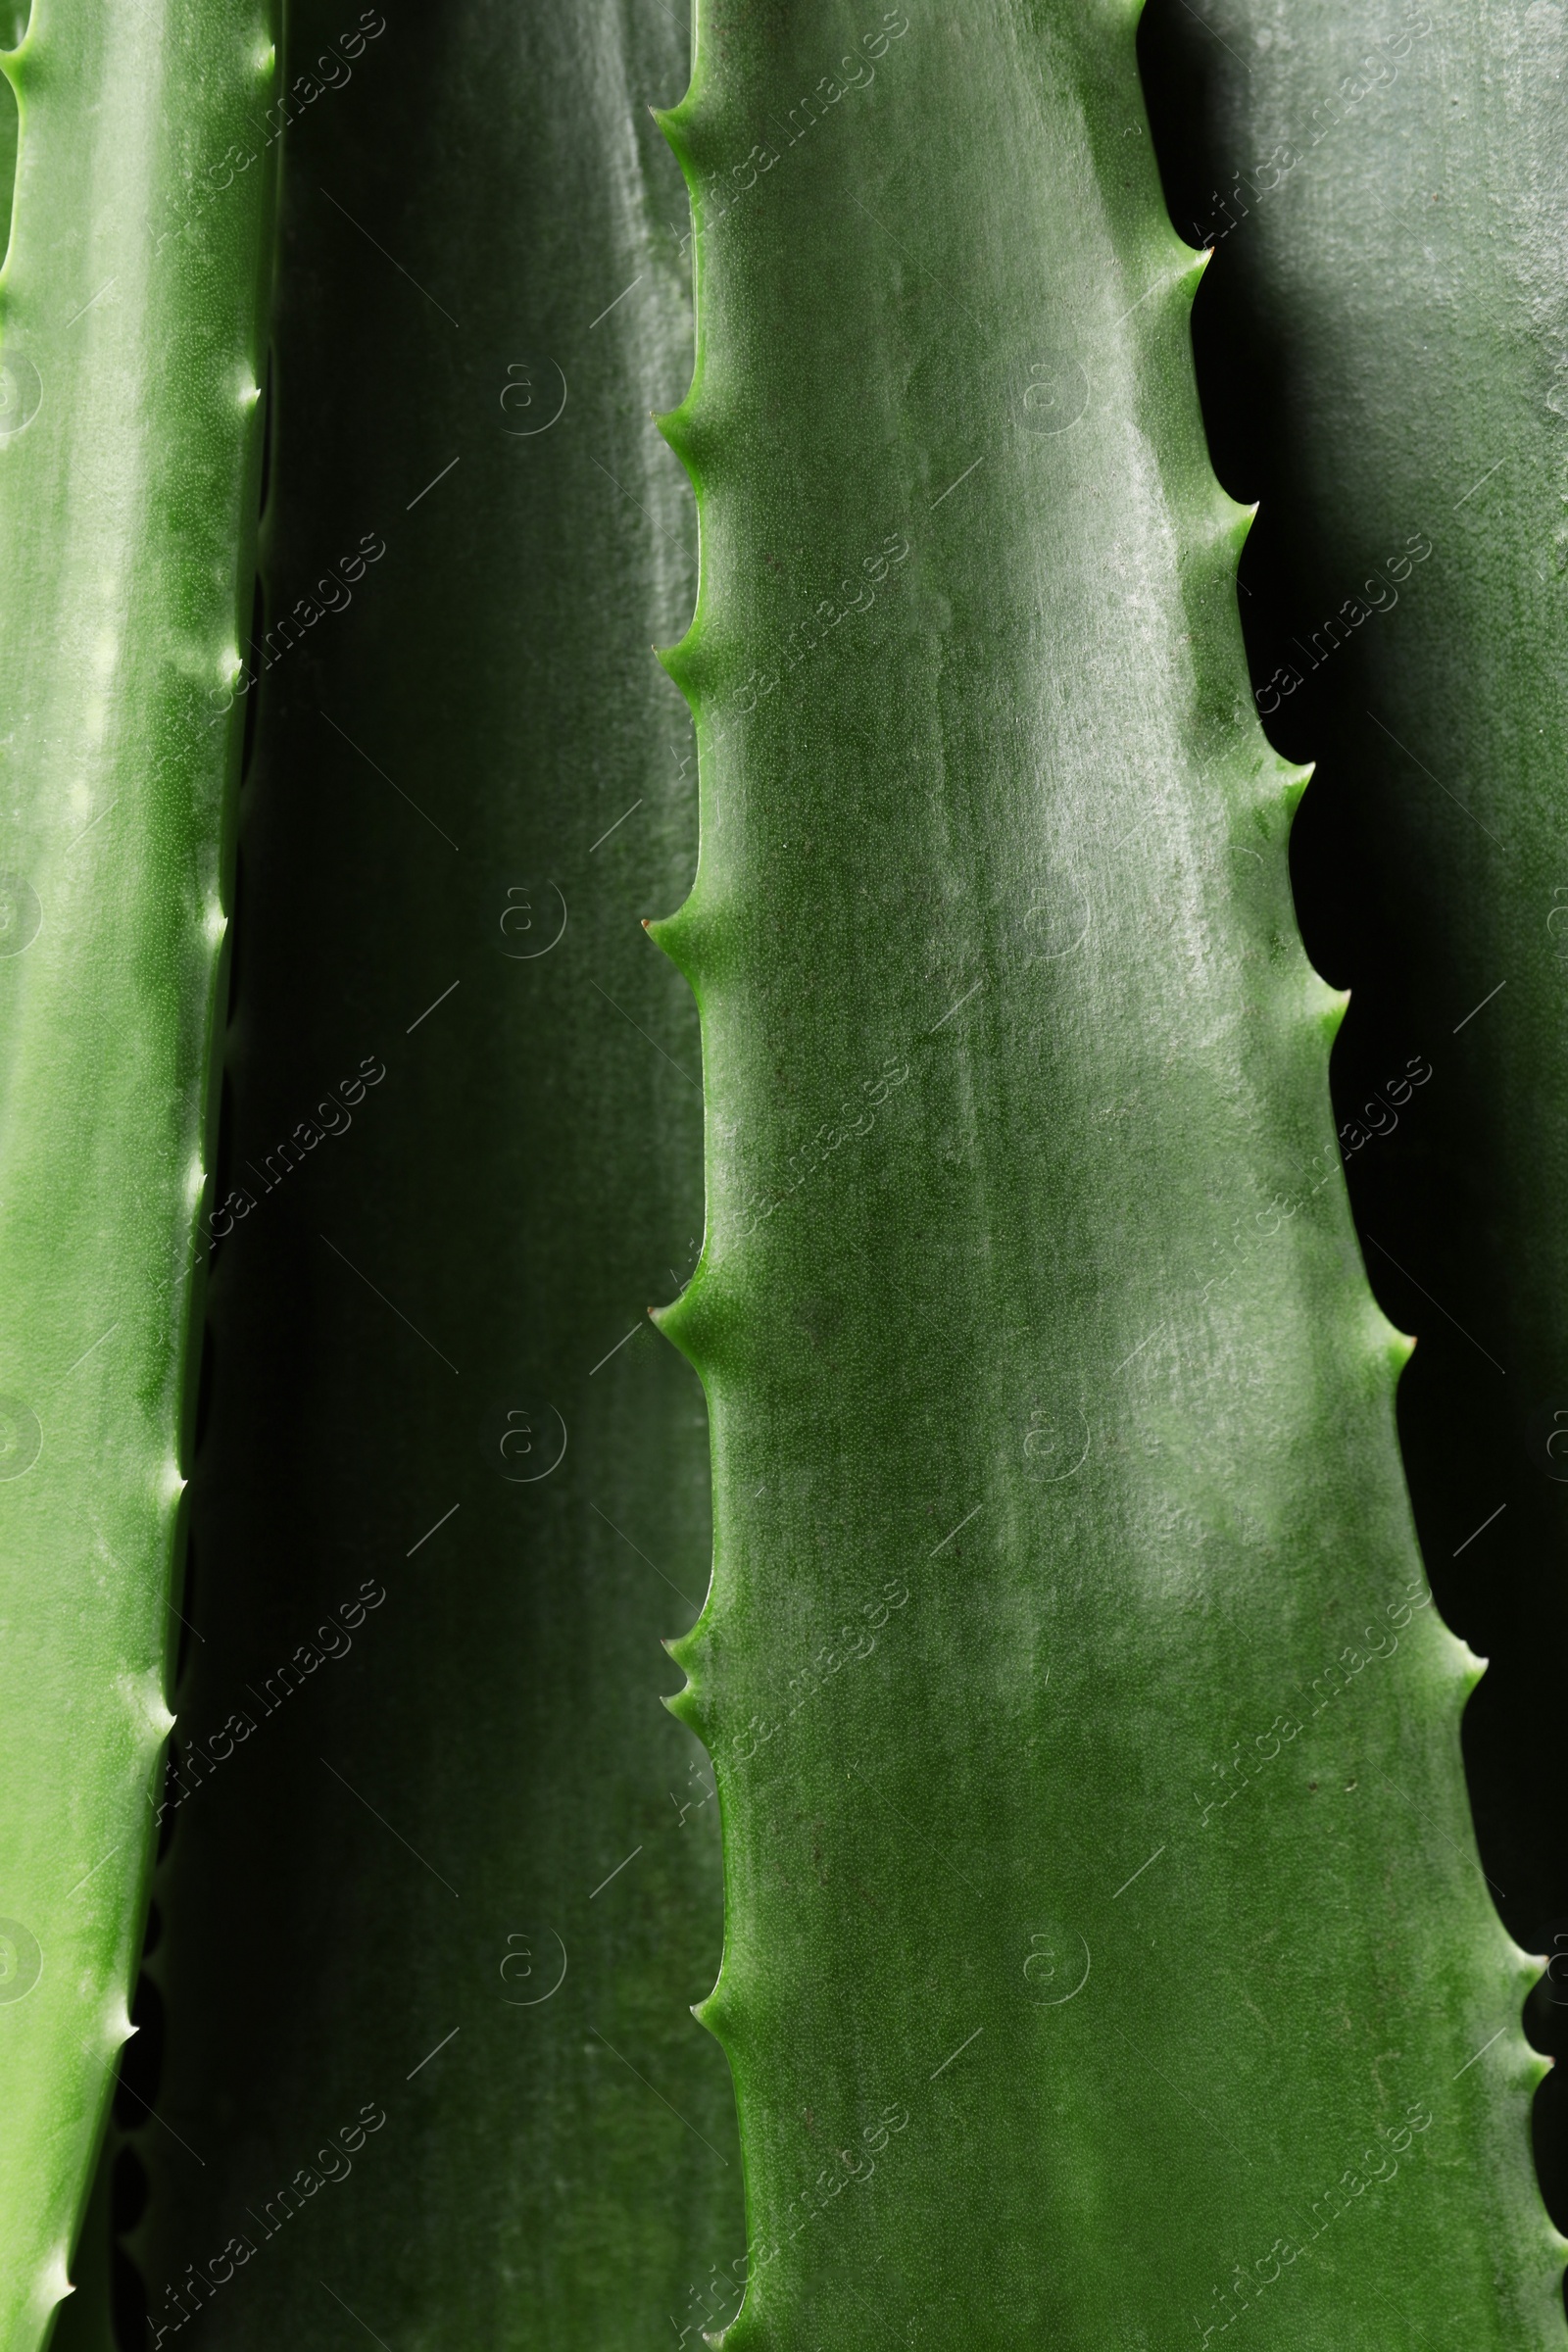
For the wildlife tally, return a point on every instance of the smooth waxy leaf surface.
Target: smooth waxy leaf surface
(453, 1862)
(1106, 1955)
(129, 356)
(1388, 190)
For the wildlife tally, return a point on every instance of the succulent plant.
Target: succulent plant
(1387, 198)
(1067, 1360)
(132, 329)
(453, 1487)
(1101, 1950)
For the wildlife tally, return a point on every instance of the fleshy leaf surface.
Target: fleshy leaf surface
(1105, 1954)
(1385, 362)
(130, 333)
(436, 1849)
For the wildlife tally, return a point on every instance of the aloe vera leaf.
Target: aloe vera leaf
(131, 319)
(518, 1187)
(1389, 193)
(1085, 1981)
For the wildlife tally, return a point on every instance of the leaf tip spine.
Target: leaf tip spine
(1240, 520)
(675, 122)
(674, 427)
(713, 2014)
(1537, 2067)
(686, 1707)
(675, 662)
(1335, 1004)
(683, 664)
(671, 936)
(1191, 267)
(1294, 781)
(54, 2280)
(672, 1322)
(688, 1649)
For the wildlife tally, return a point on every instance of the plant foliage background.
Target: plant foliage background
(1059, 1820)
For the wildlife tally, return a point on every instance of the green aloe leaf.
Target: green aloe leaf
(1106, 1957)
(436, 1849)
(1105, 1949)
(129, 334)
(1388, 193)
